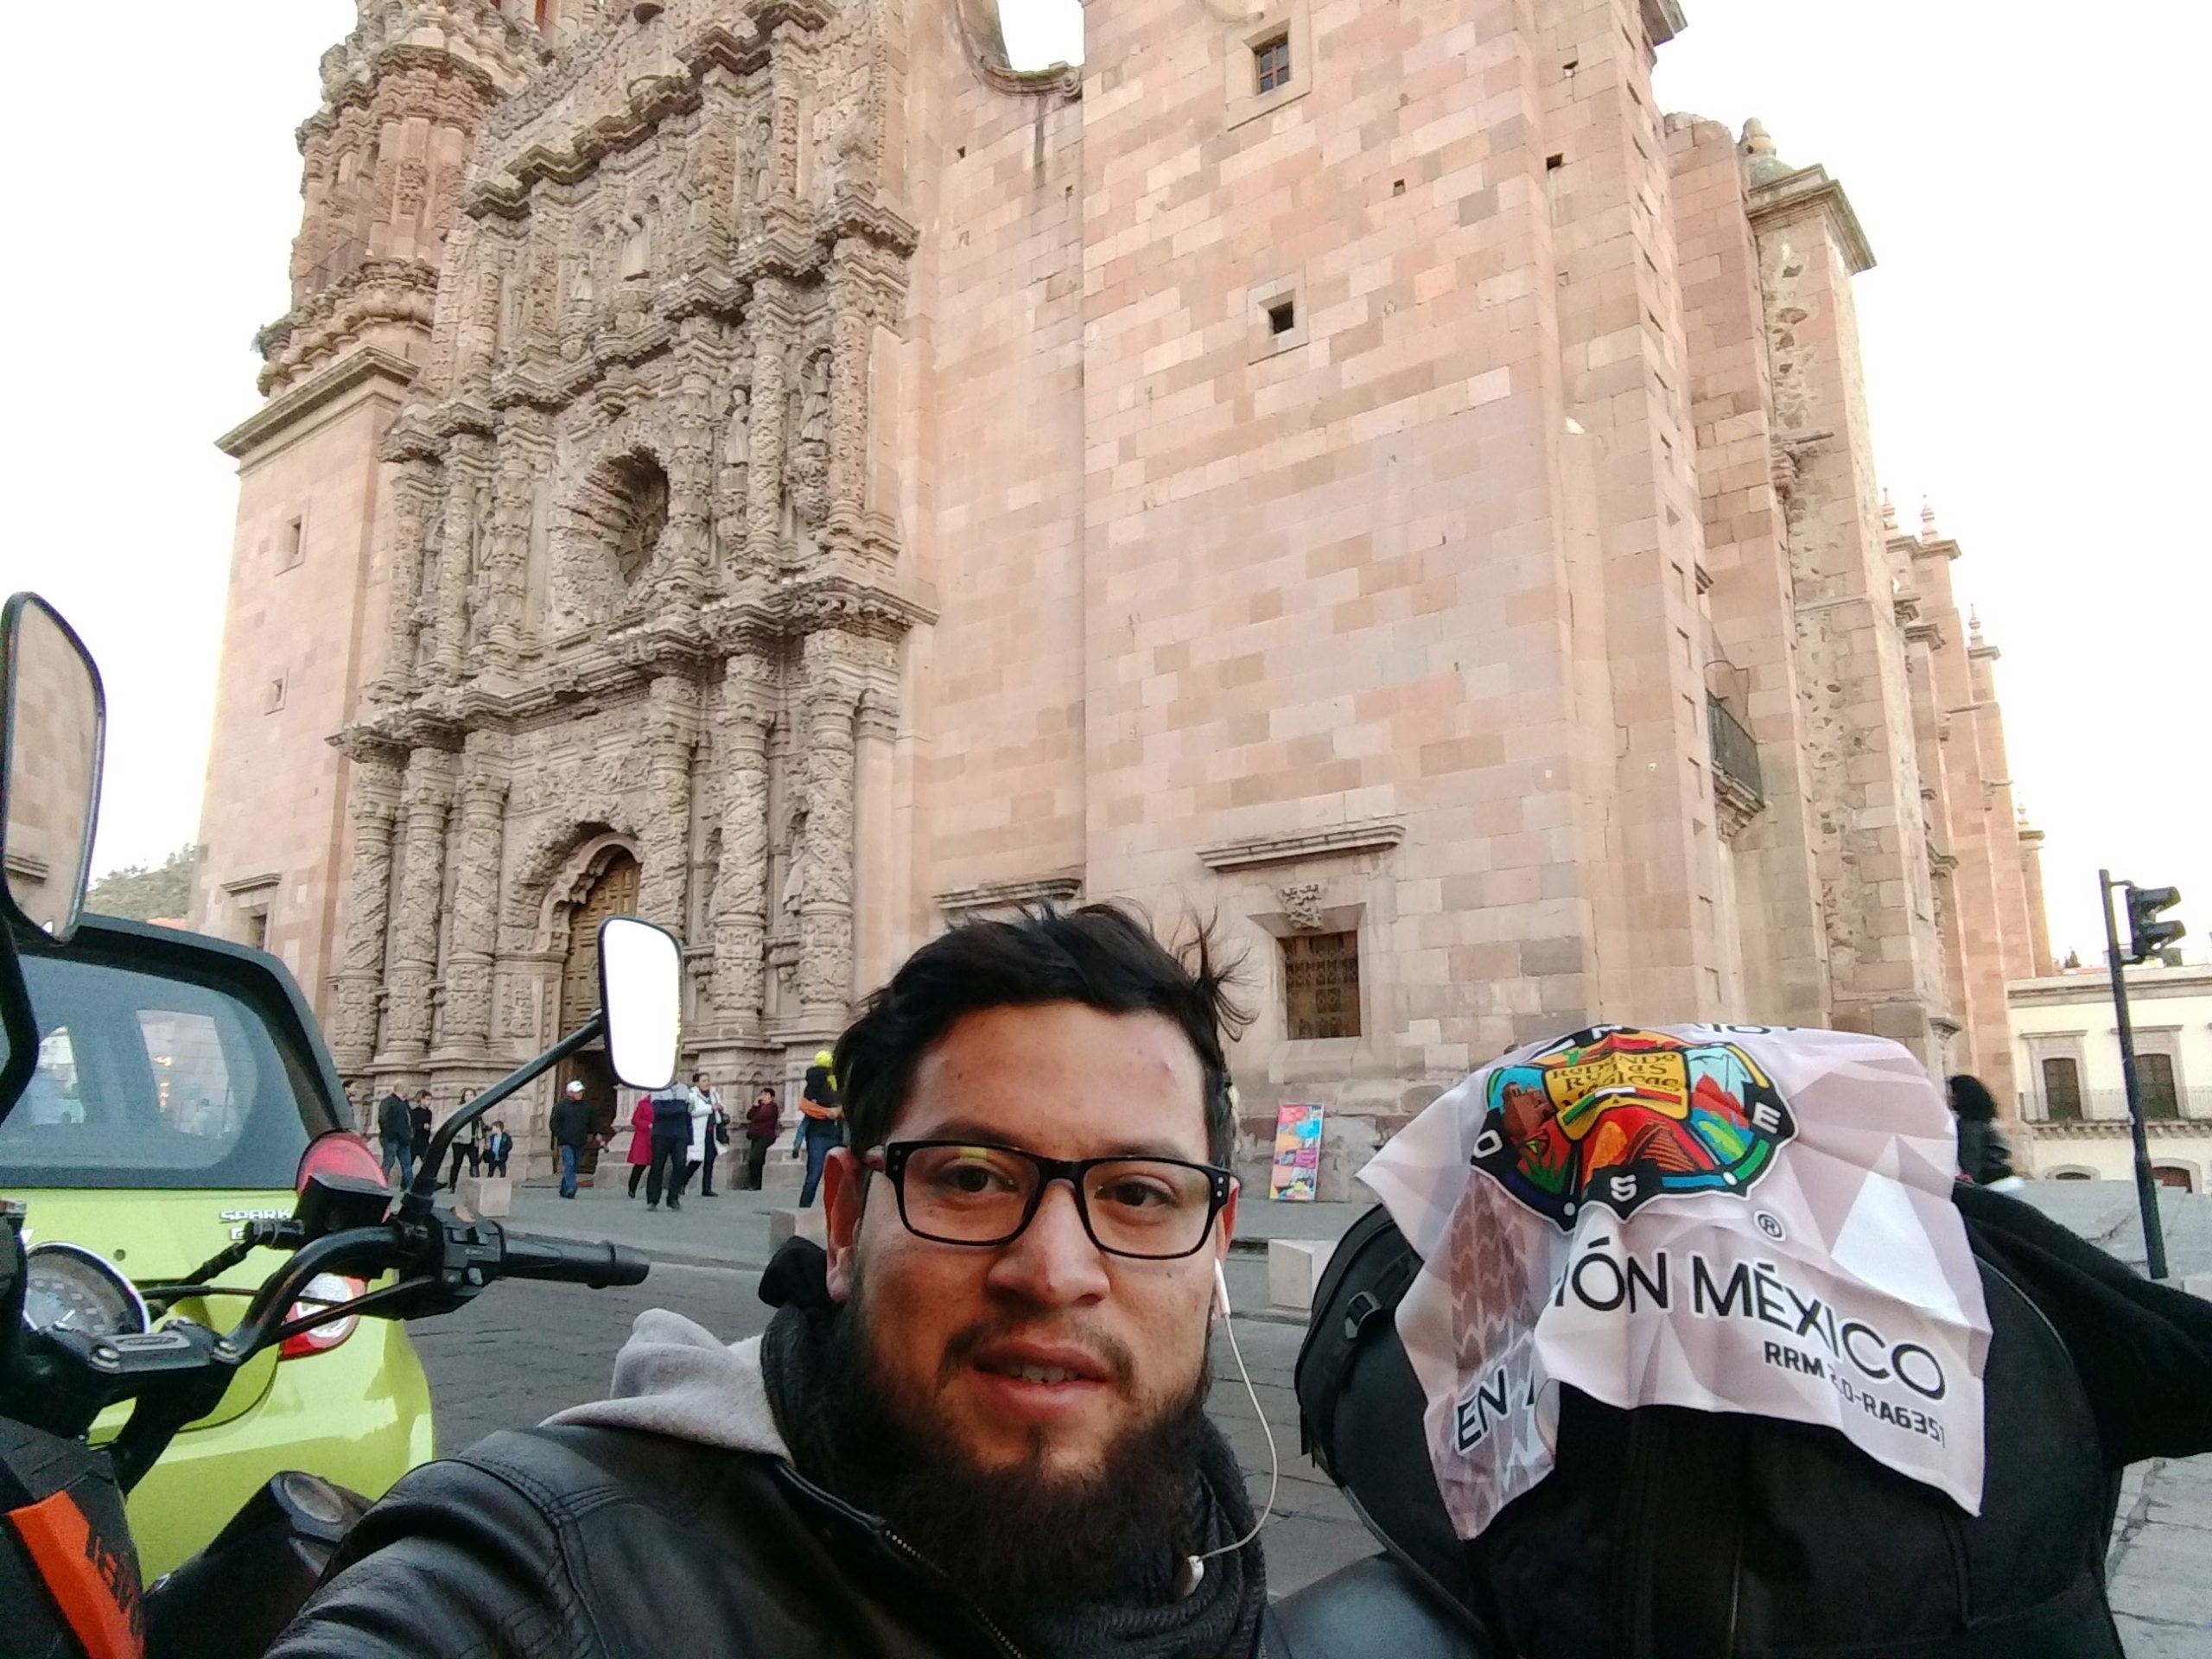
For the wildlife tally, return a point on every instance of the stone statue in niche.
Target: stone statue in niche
(581, 290)
(737, 447)
(794, 893)
(764, 158)
(637, 243)
(814, 418)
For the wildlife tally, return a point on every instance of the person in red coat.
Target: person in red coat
(641, 1141)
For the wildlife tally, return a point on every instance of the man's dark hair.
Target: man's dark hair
(1099, 955)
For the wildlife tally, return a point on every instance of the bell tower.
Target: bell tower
(384, 157)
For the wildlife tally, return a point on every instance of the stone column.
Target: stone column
(687, 542)
(851, 328)
(875, 878)
(469, 472)
(774, 323)
(825, 909)
(741, 884)
(375, 807)
(783, 100)
(413, 500)
(475, 912)
(665, 834)
(427, 798)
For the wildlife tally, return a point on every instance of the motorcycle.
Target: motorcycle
(76, 1335)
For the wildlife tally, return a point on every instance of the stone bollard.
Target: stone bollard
(489, 1196)
(1294, 1268)
(783, 1172)
(786, 1224)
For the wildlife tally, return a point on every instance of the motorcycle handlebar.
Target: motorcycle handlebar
(597, 1265)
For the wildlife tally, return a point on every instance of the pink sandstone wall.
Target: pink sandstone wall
(1783, 946)
(275, 798)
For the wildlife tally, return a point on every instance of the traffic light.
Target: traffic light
(2147, 936)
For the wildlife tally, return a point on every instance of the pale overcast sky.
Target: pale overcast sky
(2034, 361)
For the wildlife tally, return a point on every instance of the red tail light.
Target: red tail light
(337, 1153)
(321, 1291)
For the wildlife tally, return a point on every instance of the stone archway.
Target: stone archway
(612, 891)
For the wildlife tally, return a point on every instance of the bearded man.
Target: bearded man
(974, 1425)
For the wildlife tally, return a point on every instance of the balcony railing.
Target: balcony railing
(1735, 753)
(2110, 1106)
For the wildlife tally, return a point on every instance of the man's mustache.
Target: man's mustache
(966, 1343)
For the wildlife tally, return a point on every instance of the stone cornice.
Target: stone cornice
(1810, 189)
(2093, 988)
(618, 663)
(1942, 548)
(1339, 841)
(358, 367)
(959, 902)
(1663, 20)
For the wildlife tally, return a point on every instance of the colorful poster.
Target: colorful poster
(1297, 1172)
(1732, 1218)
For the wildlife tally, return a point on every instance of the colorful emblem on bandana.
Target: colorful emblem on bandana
(1619, 1117)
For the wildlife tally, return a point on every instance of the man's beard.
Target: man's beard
(1019, 1540)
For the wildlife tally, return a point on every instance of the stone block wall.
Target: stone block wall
(306, 602)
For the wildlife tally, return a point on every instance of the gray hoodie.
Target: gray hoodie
(673, 1377)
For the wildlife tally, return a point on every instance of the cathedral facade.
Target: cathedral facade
(770, 467)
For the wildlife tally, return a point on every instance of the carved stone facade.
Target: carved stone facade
(776, 454)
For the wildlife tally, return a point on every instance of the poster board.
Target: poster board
(1296, 1175)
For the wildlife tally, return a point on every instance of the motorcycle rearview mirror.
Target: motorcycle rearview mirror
(53, 730)
(641, 998)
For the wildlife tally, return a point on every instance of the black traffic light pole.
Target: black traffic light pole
(2147, 1189)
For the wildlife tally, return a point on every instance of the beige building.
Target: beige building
(2073, 1100)
(1356, 471)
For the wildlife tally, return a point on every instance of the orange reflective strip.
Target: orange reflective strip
(94, 1584)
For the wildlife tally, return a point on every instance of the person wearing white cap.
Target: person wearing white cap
(571, 1127)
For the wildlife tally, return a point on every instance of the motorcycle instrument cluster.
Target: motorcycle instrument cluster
(70, 1288)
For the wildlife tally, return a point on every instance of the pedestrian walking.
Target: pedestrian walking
(395, 1132)
(1984, 1159)
(420, 1118)
(641, 1141)
(497, 1151)
(760, 1124)
(671, 1145)
(824, 1122)
(707, 1123)
(467, 1148)
(571, 1129)
(694, 1149)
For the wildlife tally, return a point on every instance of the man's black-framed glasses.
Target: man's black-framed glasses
(967, 1192)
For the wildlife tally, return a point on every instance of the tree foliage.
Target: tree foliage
(142, 892)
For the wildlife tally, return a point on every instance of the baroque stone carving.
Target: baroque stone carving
(643, 390)
(1301, 905)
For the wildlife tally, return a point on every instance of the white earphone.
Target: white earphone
(1194, 1567)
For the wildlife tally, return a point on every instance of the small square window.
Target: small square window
(1283, 316)
(1320, 986)
(1271, 63)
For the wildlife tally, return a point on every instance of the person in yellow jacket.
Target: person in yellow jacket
(821, 1121)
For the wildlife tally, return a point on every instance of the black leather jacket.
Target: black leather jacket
(576, 1542)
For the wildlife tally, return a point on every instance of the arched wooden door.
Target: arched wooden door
(614, 893)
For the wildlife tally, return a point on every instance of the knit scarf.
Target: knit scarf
(1218, 1619)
